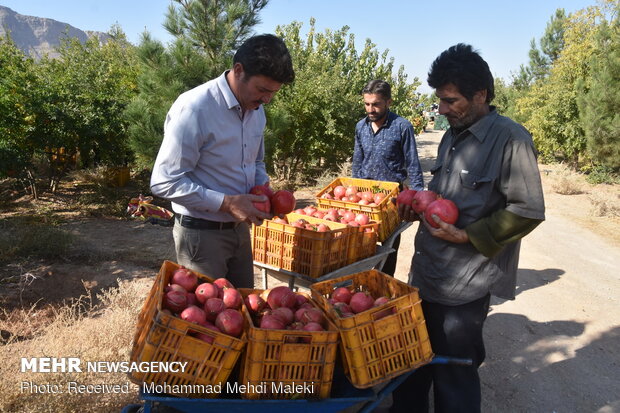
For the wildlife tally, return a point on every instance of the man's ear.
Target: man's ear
(238, 70)
(480, 97)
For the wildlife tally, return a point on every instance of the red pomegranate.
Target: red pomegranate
(422, 199)
(185, 278)
(405, 197)
(282, 202)
(445, 209)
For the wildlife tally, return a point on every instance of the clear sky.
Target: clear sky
(414, 31)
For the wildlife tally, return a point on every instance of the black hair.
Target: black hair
(266, 55)
(378, 87)
(462, 66)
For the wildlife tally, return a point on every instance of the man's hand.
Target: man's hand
(446, 232)
(242, 209)
(407, 213)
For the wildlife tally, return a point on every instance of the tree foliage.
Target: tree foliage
(600, 104)
(206, 34)
(74, 102)
(311, 124)
(550, 105)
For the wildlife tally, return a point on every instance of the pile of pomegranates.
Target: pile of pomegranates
(215, 306)
(350, 193)
(348, 303)
(280, 308)
(342, 215)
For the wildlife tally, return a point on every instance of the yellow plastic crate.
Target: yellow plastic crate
(375, 349)
(363, 242)
(163, 337)
(386, 212)
(301, 250)
(271, 358)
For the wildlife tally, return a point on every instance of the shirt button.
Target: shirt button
(453, 148)
(418, 253)
(448, 170)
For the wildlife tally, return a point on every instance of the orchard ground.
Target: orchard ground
(555, 348)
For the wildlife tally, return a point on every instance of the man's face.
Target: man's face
(376, 106)
(460, 112)
(255, 90)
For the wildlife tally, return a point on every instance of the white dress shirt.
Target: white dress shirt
(210, 149)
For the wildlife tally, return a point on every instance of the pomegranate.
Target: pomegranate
(405, 197)
(349, 216)
(192, 299)
(319, 214)
(378, 197)
(205, 291)
(301, 299)
(327, 195)
(367, 196)
(254, 303)
(340, 191)
(230, 322)
(342, 295)
(353, 198)
(262, 190)
(362, 219)
(185, 278)
(281, 296)
(351, 190)
(322, 228)
(422, 199)
(342, 308)
(380, 301)
(310, 210)
(299, 314)
(311, 327)
(285, 314)
(445, 209)
(353, 224)
(232, 298)
(271, 322)
(223, 283)
(301, 211)
(280, 220)
(264, 206)
(282, 202)
(174, 287)
(194, 314)
(175, 301)
(313, 315)
(213, 307)
(361, 301)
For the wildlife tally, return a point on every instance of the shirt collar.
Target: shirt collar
(388, 120)
(481, 128)
(227, 92)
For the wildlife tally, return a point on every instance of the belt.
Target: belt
(199, 223)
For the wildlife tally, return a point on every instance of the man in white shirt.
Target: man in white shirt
(212, 154)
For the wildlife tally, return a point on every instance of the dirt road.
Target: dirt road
(556, 347)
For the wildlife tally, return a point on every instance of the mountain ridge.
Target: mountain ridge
(40, 36)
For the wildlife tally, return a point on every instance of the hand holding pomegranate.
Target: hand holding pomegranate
(242, 207)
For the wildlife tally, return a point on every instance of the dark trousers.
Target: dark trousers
(454, 331)
(389, 267)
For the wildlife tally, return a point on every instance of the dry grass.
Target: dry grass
(567, 182)
(604, 205)
(77, 329)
